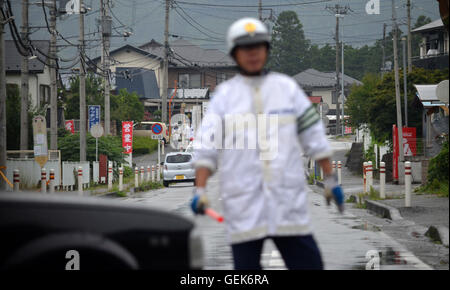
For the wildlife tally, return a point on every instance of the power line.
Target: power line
(253, 6)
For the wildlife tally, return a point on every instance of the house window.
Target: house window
(188, 81)
(44, 94)
(334, 97)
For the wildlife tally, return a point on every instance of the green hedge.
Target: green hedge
(144, 145)
(438, 167)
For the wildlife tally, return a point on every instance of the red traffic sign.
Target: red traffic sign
(157, 128)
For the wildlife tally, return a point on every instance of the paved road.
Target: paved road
(344, 240)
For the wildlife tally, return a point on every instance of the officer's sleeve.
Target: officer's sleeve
(208, 139)
(310, 129)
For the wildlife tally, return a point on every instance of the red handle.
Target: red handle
(214, 215)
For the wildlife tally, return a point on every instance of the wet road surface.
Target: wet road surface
(344, 240)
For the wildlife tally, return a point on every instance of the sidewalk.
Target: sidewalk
(426, 210)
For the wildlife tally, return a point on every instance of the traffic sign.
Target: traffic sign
(157, 128)
(97, 131)
(159, 137)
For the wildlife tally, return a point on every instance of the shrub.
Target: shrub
(111, 146)
(144, 145)
(438, 167)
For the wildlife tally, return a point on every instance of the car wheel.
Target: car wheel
(166, 184)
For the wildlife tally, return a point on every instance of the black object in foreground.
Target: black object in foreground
(50, 232)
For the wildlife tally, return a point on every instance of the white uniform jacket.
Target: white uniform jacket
(261, 196)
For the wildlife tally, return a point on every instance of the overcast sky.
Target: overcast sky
(147, 20)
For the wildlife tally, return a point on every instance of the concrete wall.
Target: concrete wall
(30, 171)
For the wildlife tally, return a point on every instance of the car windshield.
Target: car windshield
(179, 158)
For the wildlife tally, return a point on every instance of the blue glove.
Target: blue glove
(200, 201)
(334, 191)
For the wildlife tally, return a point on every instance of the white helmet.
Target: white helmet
(246, 31)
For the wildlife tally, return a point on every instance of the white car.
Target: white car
(178, 167)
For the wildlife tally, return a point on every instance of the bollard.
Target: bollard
(80, 180)
(382, 180)
(52, 181)
(110, 175)
(339, 172)
(16, 180)
(321, 173)
(142, 174)
(136, 177)
(153, 173)
(408, 184)
(121, 178)
(334, 166)
(43, 180)
(162, 146)
(148, 173)
(369, 175)
(158, 172)
(364, 177)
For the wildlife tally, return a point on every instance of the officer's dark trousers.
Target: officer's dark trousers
(298, 253)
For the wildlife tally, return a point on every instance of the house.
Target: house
(193, 66)
(434, 46)
(39, 73)
(133, 59)
(434, 118)
(323, 84)
(196, 70)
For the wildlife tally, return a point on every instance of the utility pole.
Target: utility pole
(342, 79)
(383, 61)
(165, 83)
(339, 11)
(397, 87)
(3, 22)
(408, 5)
(405, 84)
(53, 81)
(260, 10)
(24, 76)
(106, 33)
(82, 87)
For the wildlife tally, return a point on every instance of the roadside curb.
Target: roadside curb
(439, 234)
(383, 210)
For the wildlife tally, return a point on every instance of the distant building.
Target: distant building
(197, 71)
(193, 66)
(39, 74)
(323, 84)
(434, 46)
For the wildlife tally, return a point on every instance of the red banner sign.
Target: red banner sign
(409, 146)
(70, 126)
(127, 137)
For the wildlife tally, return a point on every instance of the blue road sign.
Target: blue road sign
(157, 128)
(94, 115)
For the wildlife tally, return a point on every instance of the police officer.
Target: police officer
(263, 195)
